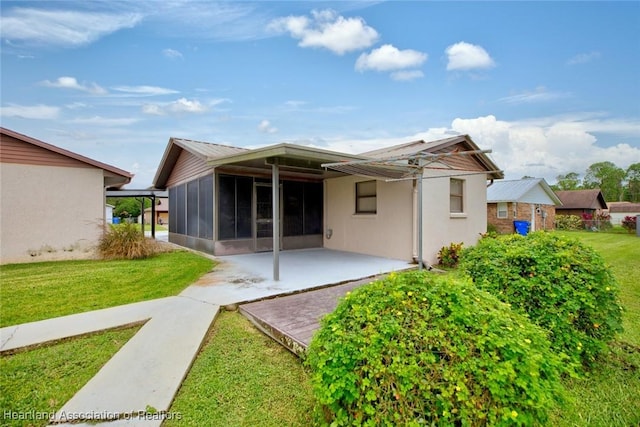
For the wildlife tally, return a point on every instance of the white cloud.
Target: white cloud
(405, 76)
(466, 56)
(66, 82)
(184, 105)
(326, 29)
(145, 90)
(543, 147)
(105, 121)
(172, 54)
(64, 28)
(389, 58)
(266, 127)
(39, 112)
(540, 94)
(558, 146)
(583, 58)
(179, 106)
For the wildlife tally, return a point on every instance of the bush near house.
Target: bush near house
(568, 222)
(419, 349)
(448, 256)
(560, 283)
(629, 223)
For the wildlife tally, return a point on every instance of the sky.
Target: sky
(549, 87)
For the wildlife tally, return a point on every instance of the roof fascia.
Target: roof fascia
(29, 140)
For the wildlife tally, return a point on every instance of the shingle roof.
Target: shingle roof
(623, 207)
(582, 199)
(521, 190)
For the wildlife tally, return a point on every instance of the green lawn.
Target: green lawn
(37, 291)
(242, 378)
(38, 382)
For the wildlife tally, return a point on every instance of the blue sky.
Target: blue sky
(550, 87)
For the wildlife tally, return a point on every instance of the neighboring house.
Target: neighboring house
(579, 202)
(619, 210)
(525, 200)
(161, 212)
(221, 197)
(52, 203)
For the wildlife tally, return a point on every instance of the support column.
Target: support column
(275, 204)
(153, 217)
(420, 255)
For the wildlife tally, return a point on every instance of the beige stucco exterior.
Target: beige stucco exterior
(49, 212)
(440, 226)
(387, 233)
(392, 232)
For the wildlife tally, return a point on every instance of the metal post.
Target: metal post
(275, 186)
(420, 263)
(142, 214)
(153, 217)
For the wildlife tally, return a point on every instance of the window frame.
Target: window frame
(370, 195)
(456, 196)
(505, 210)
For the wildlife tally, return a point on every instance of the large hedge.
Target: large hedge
(420, 349)
(560, 283)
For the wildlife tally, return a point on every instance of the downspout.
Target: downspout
(414, 221)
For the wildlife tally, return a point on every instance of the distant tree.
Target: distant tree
(570, 181)
(608, 177)
(632, 191)
(127, 207)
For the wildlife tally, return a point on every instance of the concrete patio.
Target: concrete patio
(148, 370)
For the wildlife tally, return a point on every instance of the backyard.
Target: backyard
(242, 377)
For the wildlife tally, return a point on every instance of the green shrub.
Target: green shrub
(420, 349)
(629, 223)
(569, 222)
(448, 256)
(561, 284)
(126, 241)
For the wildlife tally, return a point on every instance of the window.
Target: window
(456, 196)
(503, 211)
(366, 198)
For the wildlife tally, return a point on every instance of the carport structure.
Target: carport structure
(142, 194)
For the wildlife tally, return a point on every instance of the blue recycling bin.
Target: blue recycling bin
(115, 220)
(522, 227)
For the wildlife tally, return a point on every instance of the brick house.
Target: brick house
(529, 199)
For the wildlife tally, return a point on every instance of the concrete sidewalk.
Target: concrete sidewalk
(138, 384)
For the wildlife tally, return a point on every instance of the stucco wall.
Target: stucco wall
(49, 212)
(441, 227)
(388, 233)
(392, 231)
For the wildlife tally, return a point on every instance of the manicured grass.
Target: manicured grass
(37, 383)
(608, 395)
(40, 291)
(242, 378)
(622, 252)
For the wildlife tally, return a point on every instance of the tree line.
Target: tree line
(615, 183)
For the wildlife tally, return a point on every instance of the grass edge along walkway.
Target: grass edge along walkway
(38, 291)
